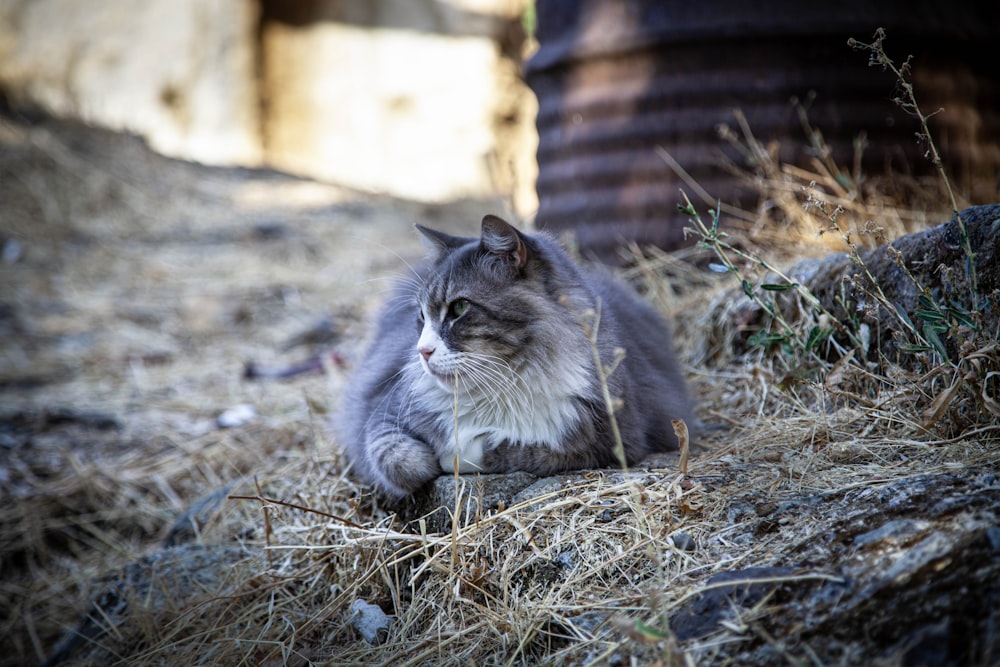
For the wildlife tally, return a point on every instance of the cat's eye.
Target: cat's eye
(458, 307)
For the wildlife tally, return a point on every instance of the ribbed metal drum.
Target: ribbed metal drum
(616, 79)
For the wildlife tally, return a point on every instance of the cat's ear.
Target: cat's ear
(440, 241)
(501, 238)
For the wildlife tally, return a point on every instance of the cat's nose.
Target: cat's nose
(426, 352)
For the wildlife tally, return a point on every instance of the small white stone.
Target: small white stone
(238, 415)
(370, 621)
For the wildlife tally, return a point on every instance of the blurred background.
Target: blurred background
(439, 100)
(420, 99)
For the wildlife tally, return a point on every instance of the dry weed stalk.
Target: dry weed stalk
(907, 100)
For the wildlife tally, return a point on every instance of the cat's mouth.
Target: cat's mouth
(446, 380)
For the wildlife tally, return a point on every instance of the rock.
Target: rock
(993, 535)
(896, 531)
(683, 541)
(934, 257)
(587, 622)
(12, 251)
(189, 525)
(480, 494)
(487, 493)
(150, 590)
(878, 572)
(718, 603)
(238, 415)
(370, 621)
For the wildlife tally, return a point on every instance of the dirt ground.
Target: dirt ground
(137, 289)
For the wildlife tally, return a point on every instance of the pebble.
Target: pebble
(370, 621)
(238, 415)
(683, 541)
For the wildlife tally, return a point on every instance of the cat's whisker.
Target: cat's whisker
(405, 284)
(405, 293)
(509, 384)
(383, 246)
(498, 382)
(489, 389)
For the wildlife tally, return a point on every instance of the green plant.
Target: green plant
(790, 336)
(939, 331)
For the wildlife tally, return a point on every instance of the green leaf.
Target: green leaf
(927, 302)
(772, 287)
(963, 317)
(938, 327)
(931, 334)
(715, 216)
(903, 316)
(765, 339)
(929, 315)
(747, 287)
(816, 336)
(649, 631)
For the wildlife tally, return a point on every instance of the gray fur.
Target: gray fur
(515, 385)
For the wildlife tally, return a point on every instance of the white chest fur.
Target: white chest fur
(466, 451)
(535, 408)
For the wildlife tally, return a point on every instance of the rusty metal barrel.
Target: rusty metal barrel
(621, 81)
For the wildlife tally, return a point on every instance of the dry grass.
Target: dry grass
(160, 294)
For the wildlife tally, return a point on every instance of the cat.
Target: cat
(489, 366)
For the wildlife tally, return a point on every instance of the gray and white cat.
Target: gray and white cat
(488, 366)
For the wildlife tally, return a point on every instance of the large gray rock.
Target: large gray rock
(479, 495)
(908, 573)
(155, 589)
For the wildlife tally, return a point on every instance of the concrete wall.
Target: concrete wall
(179, 72)
(416, 98)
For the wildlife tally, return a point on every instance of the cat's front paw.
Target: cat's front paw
(402, 464)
